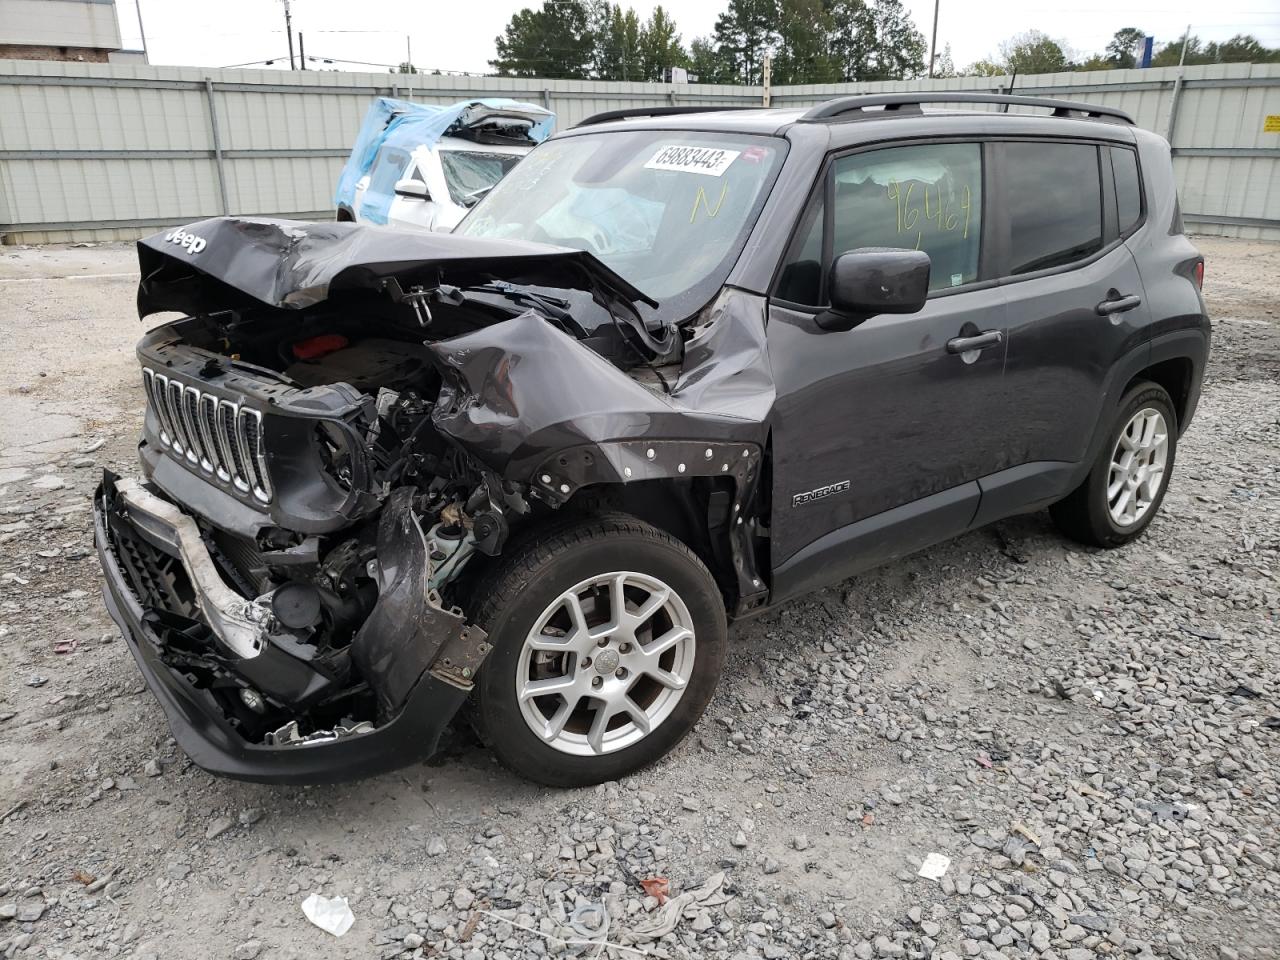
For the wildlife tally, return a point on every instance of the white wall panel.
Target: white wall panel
(100, 146)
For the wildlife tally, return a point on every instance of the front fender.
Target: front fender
(518, 392)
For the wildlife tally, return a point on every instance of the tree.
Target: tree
(1242, 48)
(405, 67)
(1033, 52)
(1170, 54)
(744, 34)
(706, 63)
(875, 40)
(1123, 49)
(984, 68)
(555, 42)
(1096, 62)
(944, 66)
(616, 36)
(803, 57)
(660, 46)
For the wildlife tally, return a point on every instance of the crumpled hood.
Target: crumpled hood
(224, 262)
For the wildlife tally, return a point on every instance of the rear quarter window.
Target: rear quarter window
(1124, 166)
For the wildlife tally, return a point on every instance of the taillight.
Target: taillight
(1199, 275)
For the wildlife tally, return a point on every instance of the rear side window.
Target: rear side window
(1053, 194)
(1124, 165)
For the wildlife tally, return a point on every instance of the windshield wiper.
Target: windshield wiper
(553, 307)
(472, 198)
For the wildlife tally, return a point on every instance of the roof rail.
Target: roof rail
(630, 112)
(910, 103)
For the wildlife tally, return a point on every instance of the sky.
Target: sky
(459, 36)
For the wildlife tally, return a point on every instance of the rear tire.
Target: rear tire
(620, 691)
(1123, 492)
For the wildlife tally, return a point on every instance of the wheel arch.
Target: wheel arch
(1175, 375)
(703, 493)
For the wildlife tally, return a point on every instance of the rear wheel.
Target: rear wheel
(609, 637)
(1126, 486)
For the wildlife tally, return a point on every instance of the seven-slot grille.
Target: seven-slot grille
(213, 435)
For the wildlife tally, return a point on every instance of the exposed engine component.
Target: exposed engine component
(368, 365)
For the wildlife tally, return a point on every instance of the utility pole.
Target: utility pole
(137, 6)
(1177, 87)
(408, 54)
(768, 78)
(288, 31)
(302, 52)
(933, 44)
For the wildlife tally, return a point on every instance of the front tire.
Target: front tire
(1122, 493)
(609, 637)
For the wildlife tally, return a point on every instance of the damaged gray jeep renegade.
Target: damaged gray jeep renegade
(674, 369)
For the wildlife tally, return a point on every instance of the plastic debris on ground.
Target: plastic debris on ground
(330, 914)
(663, 920)
(590, 920)
(657, 887)
(934, 866)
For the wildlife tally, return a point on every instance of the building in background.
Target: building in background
(83, 30)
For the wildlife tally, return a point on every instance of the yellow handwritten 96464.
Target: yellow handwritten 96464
(919, 203)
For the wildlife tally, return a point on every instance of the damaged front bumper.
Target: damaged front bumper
(416, 656)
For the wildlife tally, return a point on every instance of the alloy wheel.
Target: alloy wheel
(1138, 467)
(605, 663)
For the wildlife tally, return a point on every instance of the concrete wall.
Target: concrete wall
(87, 24)
(115, 151)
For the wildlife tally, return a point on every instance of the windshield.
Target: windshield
(667, 210)
(470, 173)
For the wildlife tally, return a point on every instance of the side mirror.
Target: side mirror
(872, 280)
(414, 189)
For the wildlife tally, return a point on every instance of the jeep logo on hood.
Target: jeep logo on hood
(188, 241)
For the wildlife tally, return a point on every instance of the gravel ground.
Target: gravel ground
(1091, 738)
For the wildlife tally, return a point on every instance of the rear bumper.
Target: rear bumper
(203, 732)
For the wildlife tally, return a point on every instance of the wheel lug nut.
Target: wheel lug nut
(597, 682)
(622, 673)
(625, 648)
(602, 642)
(586, 662)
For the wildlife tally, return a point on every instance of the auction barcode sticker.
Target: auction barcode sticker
(683, 158)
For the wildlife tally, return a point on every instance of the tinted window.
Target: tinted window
(801, 280)
(1128, 189)
(1054, 197)
(926, 197)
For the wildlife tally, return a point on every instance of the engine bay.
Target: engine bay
(415, 511)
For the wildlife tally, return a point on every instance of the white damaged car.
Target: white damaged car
(424, 166)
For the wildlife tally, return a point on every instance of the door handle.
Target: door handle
(987, 338)
(1118, 304)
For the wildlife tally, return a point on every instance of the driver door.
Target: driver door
(881, 432)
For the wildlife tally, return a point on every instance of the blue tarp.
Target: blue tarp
(406, 125)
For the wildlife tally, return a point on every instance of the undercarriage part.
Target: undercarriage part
(407, 630)
(242, 625)
(461, 657)
(296, 605)
(289, 733)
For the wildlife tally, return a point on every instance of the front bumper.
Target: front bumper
(201, 728)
